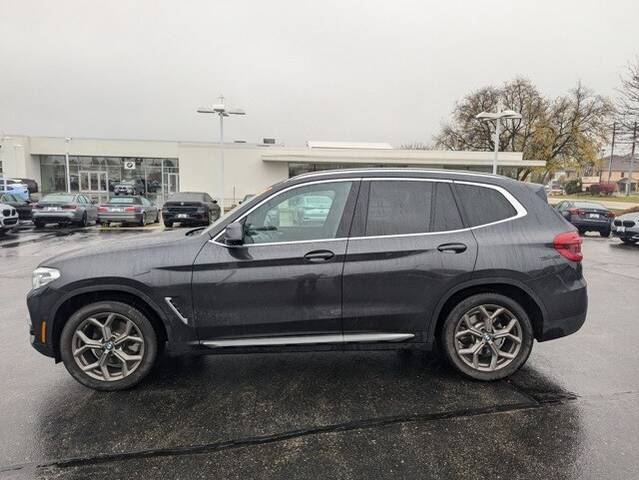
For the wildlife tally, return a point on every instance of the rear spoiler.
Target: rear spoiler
(539, 190)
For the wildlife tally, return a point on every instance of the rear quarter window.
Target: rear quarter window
(483, 205)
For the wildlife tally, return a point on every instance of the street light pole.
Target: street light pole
(66, 164)
(222, 110)
(497, 117)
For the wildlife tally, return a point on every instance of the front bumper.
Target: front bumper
(8, 223)
(626, 233)
(39, 303)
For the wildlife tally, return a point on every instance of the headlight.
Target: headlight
(43, 275)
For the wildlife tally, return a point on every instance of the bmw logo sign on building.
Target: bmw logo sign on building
(129, 164)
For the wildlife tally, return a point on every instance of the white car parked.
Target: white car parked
(8, 218)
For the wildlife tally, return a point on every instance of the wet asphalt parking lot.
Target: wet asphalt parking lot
(571, 412)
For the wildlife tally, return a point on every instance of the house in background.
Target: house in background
(619, 172)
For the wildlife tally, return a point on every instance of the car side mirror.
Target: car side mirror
(234, 235)
(215, 201)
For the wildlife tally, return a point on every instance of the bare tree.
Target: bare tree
(566, 131)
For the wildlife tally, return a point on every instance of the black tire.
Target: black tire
(605, 233)
(141, 322)
(38, 225)
(628, 242)
(582, 232)
(168, 224)
(157, 217)
(142, 220)
(447, 338)
(83, 223)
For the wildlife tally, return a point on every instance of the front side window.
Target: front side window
(311, 212)
(483, 205)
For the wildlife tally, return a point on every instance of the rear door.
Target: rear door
(408, 247)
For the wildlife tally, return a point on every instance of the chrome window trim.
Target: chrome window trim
(519, 209)
(308, 339)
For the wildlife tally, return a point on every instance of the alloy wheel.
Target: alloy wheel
(488, 337)
(108, 346)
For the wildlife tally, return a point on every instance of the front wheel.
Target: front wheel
(605, 233)
(487, 336)
(628, 242)
(108, 346)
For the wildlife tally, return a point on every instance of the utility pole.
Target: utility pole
(632, 159)
(612, 150)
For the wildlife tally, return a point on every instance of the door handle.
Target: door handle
(318, 256)
(452, 248)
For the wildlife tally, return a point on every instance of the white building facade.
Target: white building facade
(165, 167)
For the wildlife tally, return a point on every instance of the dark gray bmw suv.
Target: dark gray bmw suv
(395, 259)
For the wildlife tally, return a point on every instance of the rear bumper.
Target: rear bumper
(55, 217)
(169, 216)
(566, 312)
(120, 217)
(599, 225)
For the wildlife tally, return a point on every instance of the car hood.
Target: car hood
(128, 246)
(629, 216)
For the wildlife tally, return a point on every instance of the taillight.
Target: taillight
(610, 214)
(69, 207)
(576, 211)
(37, 205)
(568, 244)
(132, 209)
(103, 209)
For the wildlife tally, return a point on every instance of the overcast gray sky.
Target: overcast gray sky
(387, 71)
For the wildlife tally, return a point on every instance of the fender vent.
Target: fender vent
(169, 302)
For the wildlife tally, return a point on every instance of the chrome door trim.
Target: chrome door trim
(308, 339)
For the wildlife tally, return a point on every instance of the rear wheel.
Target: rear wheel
(487, 336)
(37, 224)
(142, 220)
(83, 223)
(605, 233)
(168, 224)
(108, 346)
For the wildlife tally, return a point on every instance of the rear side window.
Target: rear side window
(483, 205)
(399, 207)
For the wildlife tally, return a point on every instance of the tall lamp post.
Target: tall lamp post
(497, 117)
(221, 110)
(66, 163)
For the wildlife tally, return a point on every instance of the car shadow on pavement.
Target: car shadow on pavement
(196, 405)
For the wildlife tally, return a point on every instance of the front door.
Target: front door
(286, 280)
(408, 248)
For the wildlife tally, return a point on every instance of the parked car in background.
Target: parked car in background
(15, 187)
(8, 218)
(130, 209)
(129, 187)
(626, 227)
(31, 184)
(190, 208)
(64, 209)
(587, 216)
(479, 265)
(22, 206)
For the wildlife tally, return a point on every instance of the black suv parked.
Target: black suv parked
(401, 259)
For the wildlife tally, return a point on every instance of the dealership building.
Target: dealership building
(165, 167)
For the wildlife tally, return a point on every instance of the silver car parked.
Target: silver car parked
(626, 227)
(131, 209)
(65, 209)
